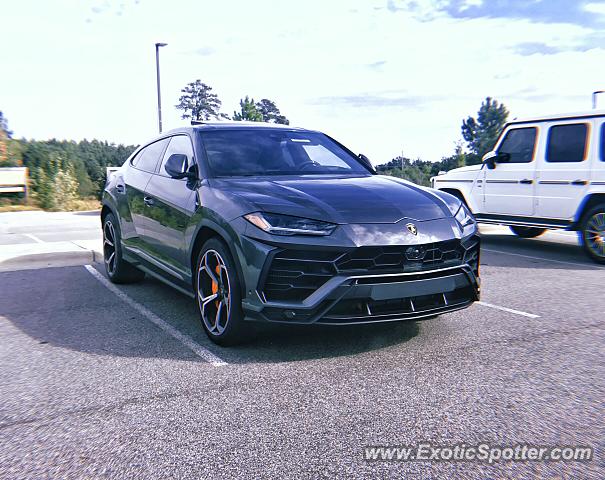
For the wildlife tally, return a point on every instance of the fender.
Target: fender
(233, 246)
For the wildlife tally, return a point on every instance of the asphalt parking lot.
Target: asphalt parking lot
(122, 382)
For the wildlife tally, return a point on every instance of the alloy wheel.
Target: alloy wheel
(109, 247)
(214, 292)
(595, 234)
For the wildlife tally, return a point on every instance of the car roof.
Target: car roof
(560, 116)
(234, 125)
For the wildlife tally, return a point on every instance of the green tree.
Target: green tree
(248, 111)
(4, 131)
(43, 191)
(199, 103)
(459, 155)
(5, 136)
(65, 188)
(481, 133)
(270, 112)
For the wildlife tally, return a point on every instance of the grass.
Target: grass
(17, 208)
(20, 205)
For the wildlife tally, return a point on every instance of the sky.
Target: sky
(384, 77)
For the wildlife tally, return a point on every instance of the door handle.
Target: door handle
(148, 201)
(579, 182)
(526, 181)
(120, 188)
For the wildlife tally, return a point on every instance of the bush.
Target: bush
(58, 191)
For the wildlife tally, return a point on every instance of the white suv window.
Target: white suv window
(603, 142)
(567, 143)
(520, 144)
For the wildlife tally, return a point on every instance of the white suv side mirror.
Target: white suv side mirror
(489, 159)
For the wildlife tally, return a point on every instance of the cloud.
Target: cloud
(595, 7)
(377, 65)
(205, 51)
(538, 11)
(377, 100)
(536, 48)
(117, 7)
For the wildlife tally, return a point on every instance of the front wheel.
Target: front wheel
(218, 294)
(593, 233)
(527, 232)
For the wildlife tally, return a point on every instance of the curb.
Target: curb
(49, 260)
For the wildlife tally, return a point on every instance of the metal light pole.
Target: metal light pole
(594, 98)
(157, 72)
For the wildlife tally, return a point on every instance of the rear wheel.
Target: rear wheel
(218, 294)
(593, 233)
(118, 270)
(527, 232)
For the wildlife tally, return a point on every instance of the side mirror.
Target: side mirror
(176, 166)
(365, 161)
(489, 160)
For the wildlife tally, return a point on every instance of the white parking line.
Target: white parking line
(153, 318)
(596, 267)
(34, 238)
(509, 310)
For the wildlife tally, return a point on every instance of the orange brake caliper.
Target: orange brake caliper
(215, 284)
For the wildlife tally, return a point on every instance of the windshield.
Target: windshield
(276, 152)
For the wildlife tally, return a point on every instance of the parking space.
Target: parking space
(104, 385)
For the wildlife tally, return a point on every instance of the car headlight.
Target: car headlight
(466, 220)
(288, 225)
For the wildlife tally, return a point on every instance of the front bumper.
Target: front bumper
(299, 284)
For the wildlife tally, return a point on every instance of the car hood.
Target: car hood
(342, 199)
(468, 168)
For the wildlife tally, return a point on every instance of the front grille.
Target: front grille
(396, 258)
(295, 274)
(363, 310)
(367, 310)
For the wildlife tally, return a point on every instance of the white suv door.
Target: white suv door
(563, 172)
(598, 161)
(508, 189)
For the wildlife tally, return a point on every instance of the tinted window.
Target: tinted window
(603, 142)
(519, 143)
(178, 144)
(566, 143)
(147, 159)
(276, 152)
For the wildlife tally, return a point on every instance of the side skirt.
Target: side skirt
(524, 221)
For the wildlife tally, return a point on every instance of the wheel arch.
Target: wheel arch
(205, 232)
(105, 210)
(590, 201)
(456, 193)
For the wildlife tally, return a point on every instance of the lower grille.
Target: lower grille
(296, 274)
(352, 311)
(293, 275)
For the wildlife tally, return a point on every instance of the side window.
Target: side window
(603, 142)
(567, 143)
(135, 159)
(520, 144)
(147, 159)
(178, 144)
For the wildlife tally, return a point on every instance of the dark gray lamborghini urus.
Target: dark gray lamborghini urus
(280, 224)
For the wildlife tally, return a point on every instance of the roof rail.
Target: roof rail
(198, 122)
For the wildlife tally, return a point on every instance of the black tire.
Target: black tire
(527, 232)
(118, 270)
(218, 294)
(592, 231)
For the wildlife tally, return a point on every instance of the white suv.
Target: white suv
(546, 172)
